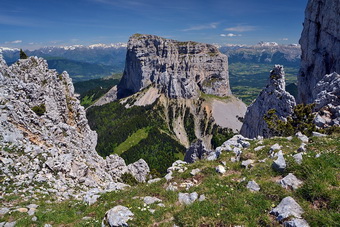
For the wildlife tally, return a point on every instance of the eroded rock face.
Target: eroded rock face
(179, 69)
(320, 44)
(196, 152)
(44, 128)
(273, 96)
(327, 94)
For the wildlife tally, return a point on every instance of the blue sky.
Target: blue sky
(35, 23)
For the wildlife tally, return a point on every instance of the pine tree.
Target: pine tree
(23, 54)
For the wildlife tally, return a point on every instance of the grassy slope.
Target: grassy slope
(132, 140)
(134, 133)
(228, 202)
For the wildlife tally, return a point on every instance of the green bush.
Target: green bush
(220, 135)
(39, 110)
(127, 178)
(300, 121)
(23, 54)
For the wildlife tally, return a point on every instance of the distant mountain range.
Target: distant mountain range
(99, 60)
(264, 52)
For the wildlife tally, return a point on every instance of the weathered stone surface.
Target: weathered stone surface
(10, 224)
(290, 181)
(320, 44)
(275, 147)
(302, 148)
(220, 169)
(247, 163)
(4, 210)
(140, 170)
(150, 200)
(195, 171)
(110, 96)
(117, 216)
(186, 198)
(302, 137)
(151, 181)
(197, 151)
(273, 96)
(280, 163)
(253, 186)
(235, 144)
(296, 222)
(178, 69)
(91, 196)
(46, 131)
(115, 186)
(286, 208)
(298, 158)
(172, 187)
(317, 134)
(327, 93)
(22, 210)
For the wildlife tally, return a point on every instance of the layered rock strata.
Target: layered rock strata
(273, 96)
(44, 134)
(320, 44)
(178, 69)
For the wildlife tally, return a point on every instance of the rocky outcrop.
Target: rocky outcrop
(178, 69)
(117, 216)
(273, 96)
(110, 96)
(44, 133)
(327, 94)
(320, 44)
(198, 151)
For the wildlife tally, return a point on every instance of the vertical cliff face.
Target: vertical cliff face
(320, 43)
(273, 96)
(178, 69)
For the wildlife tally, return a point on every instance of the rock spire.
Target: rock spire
(273, 96)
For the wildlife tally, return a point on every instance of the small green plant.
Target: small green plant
(127, 178)
(220, 135)
(39, 110)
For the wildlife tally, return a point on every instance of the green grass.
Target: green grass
(132, 140)
(228, 202)
(208, 97)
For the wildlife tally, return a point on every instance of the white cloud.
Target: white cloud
(230, 35)
(201, 27)
(241, 28)
(14, 42)
(284, 39)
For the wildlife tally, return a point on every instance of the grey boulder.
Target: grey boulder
(296, 222)
(279, 164)
(253, 186)
(186, 198)
(290, 181)
(117, 216)
(287, 207)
